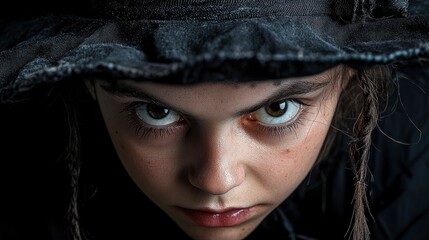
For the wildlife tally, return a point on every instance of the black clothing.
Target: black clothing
(35, 191)
(186, 42)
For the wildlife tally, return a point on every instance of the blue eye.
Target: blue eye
(155, 115)
(279, 112)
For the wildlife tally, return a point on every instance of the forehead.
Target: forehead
(226, 90)
(207, 90)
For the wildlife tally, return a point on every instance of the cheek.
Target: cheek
(289, 163)
(151, 168)
(299, 158)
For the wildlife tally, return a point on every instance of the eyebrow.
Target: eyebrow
(294, 88)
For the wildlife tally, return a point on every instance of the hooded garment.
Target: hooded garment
(188, 42)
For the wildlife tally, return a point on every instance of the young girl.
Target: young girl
(216, 120)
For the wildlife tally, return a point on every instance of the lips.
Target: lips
(223, 218)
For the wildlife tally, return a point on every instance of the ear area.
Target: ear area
(90, 85)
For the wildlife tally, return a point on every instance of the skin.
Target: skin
(221, 153)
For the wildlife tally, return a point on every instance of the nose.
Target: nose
(216, 165)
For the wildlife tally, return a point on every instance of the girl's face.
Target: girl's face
(219, 157)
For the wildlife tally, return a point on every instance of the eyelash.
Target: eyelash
(280, 131)
(145, 131)
(161, 132)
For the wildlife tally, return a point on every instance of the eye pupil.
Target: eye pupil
(276, 109)
(157, 112)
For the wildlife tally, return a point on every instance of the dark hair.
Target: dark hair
(355, 118)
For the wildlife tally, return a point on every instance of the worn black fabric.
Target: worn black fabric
(241, 41)
(212, 40)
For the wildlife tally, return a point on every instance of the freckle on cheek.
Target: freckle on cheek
(285, 152)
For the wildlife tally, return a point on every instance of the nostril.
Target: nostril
(216, 180)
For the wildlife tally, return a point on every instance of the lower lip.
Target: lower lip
(223, 219)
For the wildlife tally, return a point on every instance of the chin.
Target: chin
(237, 232)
